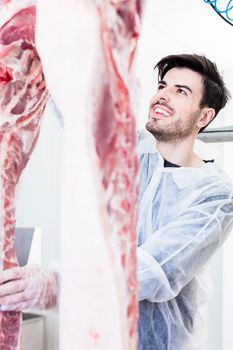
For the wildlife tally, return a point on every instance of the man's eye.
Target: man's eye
(181, 91)
(160, 87)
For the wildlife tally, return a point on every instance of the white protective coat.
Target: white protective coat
(185, 215)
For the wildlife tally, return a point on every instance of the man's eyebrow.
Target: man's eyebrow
(163, 82)
(184, 87)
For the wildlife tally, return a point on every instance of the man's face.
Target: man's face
(174, 109)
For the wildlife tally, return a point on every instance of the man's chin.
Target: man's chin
(157, 132)
(151, 125)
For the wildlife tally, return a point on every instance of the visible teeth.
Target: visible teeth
(158, 110)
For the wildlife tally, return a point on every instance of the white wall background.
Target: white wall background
(181, 26)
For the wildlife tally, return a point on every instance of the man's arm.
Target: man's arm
(170, 258)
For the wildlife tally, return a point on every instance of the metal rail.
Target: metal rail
(224, 134)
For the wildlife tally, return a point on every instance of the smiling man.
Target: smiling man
(180, 109)
(186, 204)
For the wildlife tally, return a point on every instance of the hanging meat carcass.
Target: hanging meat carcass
(87, 49)
(23, 97)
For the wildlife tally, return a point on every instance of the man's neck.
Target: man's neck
(180, 153)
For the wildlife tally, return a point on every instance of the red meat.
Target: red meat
(23, 96)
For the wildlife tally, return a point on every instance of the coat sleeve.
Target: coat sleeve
(171, 256)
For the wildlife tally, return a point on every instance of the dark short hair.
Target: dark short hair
(215, 93)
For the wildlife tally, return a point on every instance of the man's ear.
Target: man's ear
(207, 114)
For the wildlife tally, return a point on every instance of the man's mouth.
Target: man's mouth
(161, 112)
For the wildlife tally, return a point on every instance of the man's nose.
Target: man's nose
(163, 95)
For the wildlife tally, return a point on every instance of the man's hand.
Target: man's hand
(31, 287)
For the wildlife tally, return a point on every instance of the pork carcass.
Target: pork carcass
(87, 49)
(23, 97)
